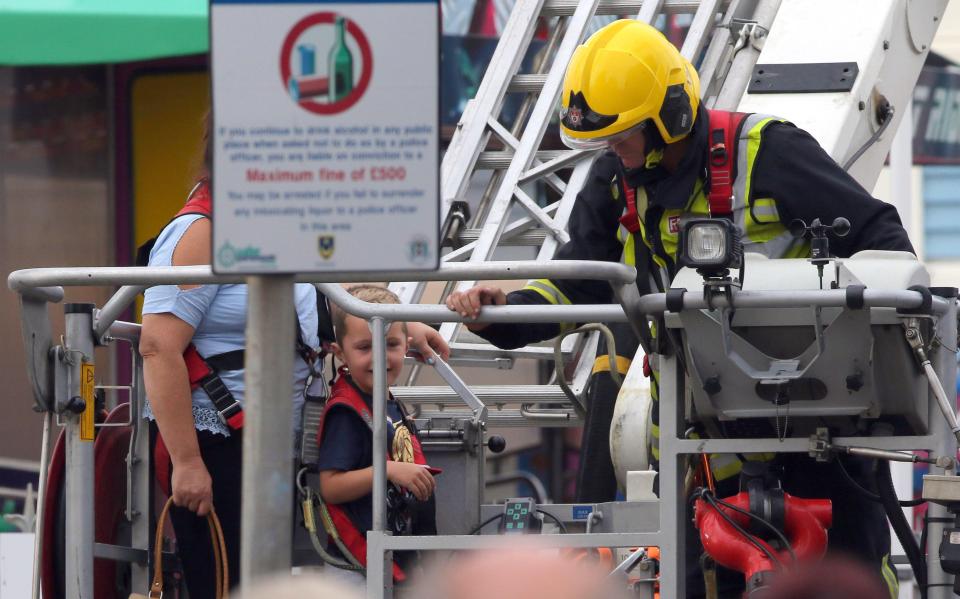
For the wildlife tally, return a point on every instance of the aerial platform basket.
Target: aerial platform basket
(791, 369)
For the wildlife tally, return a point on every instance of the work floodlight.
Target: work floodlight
(711, 245)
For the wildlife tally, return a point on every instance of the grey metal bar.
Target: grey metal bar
(945, 444)
(656, 303)
(378, 328)
(461, 389)
(562, 161)
(432, 313)
(120, 553)
(455, 542)
(672, 470)
(947, 408)
(648, 12)
(79, 462)
(41, 493)
(490, 394)
(32, 278)
(122, 329)
(267, 507)
(53, 295)
(142, 482)
(700, 29)
(565, 8)
(799, 445)
(115, 306)
(746, 56)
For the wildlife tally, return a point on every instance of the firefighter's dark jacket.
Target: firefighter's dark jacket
(791, 168)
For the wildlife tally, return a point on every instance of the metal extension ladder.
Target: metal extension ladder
(516, 170)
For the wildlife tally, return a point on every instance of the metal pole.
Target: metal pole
(672, 503)
(946, 445)
(901, 196)
(267, 507)
(140, 482)
(379, 572)
(41, 494)
(79, 455)
(378, 328)
(747, 54)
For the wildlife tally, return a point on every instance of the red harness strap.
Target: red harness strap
(199, 201)
(721, 161)
(344, 394)
(630, 219)
(722, 142)
(202, 375)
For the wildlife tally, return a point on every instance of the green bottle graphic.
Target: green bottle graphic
(341, 63)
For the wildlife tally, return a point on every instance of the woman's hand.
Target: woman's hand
(427, 340)
(192, 486)
(413, 477)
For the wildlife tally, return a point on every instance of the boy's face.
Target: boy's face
(357, 352)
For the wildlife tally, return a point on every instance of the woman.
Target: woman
(206, 454)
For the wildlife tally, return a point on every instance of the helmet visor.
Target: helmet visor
(600, 143)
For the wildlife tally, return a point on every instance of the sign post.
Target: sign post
(325, 141)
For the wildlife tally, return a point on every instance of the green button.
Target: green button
(520, 525)
(509, 524)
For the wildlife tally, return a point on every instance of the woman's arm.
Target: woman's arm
(163, 339)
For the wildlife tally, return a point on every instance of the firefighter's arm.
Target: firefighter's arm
(341, 486)
(807, 183)
(593, 237)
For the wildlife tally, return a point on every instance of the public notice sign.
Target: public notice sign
(325, 136)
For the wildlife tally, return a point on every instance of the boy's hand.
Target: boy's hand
(425, 339)
(468, 303)
(412, 477)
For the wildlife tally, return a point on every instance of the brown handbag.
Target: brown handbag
(222, 570)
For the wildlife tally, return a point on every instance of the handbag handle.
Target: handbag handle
(222, 567)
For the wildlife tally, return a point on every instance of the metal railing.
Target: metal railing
(41, 285)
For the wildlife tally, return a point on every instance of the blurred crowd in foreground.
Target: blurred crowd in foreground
(533, 574)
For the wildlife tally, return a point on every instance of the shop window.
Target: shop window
(941, 218)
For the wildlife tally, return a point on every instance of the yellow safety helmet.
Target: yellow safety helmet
(622, 79)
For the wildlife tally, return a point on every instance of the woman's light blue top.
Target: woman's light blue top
(218, 314)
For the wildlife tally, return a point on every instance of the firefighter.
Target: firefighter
(629, 93)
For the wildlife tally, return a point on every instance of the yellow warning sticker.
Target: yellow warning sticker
(86, 392)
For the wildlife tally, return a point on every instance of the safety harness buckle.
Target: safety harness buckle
(718, 154)
(229, 409)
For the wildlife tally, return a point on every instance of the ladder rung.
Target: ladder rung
(491, 395)
(528, 83)
(501, 159)
(565, 8)
(527, 238)
(508, 417)
(462, 349)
